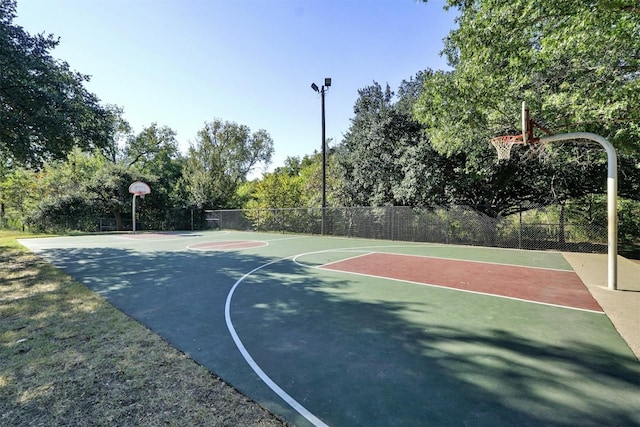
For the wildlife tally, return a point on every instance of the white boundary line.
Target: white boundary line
(294, 258)
(430, 285)
(228, 246)
(254, 365)
(364, 248)
(165, 236)
(325, 267)
(266, 243)
(263, 376)
(286, 238)
(479, 262)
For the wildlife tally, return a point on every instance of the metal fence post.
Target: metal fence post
(520, 228)
(446, 215)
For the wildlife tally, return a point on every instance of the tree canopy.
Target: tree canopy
(45, 109)
(385, 158)
(575, 63)
(219, 161)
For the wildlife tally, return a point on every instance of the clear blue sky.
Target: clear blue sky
(180, 63)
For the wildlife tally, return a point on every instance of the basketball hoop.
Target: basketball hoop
(503, 145)
(139, 189)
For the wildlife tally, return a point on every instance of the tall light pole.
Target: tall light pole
(322, 91)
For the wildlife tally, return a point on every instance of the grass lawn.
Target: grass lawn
(70, 358)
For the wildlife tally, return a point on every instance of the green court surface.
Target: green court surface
(363, 345)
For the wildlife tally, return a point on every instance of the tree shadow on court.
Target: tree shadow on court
(357, 351)
(180, 295)
(70, 358)
(368, 357)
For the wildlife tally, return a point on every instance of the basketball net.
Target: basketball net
(503, 145)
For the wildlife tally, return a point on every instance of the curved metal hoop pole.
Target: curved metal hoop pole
(612, 198)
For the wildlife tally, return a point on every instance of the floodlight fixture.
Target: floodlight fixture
(315, 87)
(327, 81)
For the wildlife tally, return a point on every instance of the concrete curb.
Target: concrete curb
(621, 306)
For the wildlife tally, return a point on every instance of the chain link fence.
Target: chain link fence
(169, 220)
(573, 226)
(558, 227)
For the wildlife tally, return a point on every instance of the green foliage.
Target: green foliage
(365, 156)
(284, 188)
(590, 210)
(109, 189)
(154, 155)
(64, 213)
(44, 108)
(219, 161)
(120, 134)
(299, 183)
(74, 194)
(575, 63)
(311, 177)
(18, 190)
(151, 148)
(629, 225)
(385, 159)
(279, 190)
(629, 175)
(80, 190)
(277, 201)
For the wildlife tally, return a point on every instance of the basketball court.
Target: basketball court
(345, 332)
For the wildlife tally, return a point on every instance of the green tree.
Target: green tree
(18, 193)
(278, 190)
(296, 184)
(151, 156)
(293, 187)
(575, 63)
(120, 134)
(88, 186)
(109, 189)
(150, 146)
(385, 158)
(219, 161)
(368, 150)
(76, 192)
(309, 169)
(44, 108)
(154, 154)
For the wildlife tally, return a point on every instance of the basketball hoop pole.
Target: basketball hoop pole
(612, 198)
(137, 189)
(133, 213)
